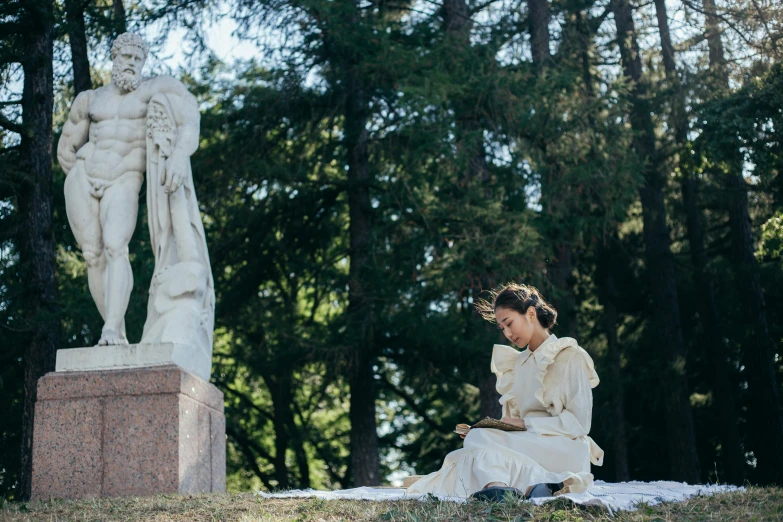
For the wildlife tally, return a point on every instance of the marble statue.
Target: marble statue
(115, 134)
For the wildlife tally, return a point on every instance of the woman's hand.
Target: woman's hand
(514, 422)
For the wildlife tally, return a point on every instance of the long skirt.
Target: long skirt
(518, 459)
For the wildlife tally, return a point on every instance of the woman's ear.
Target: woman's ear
(531, 314)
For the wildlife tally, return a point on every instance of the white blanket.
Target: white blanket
(613, 496)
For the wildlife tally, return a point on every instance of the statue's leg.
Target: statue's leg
(119, 208)
(83, 211)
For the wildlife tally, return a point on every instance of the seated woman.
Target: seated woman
(546, 389)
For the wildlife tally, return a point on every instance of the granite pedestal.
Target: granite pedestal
(130, 432)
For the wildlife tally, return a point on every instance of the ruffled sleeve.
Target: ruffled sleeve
(572, 416)
(546, 355)
(504, 362)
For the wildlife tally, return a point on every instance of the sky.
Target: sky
(220, 39)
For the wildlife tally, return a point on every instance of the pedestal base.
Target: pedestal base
(127, 433)
(125, 356)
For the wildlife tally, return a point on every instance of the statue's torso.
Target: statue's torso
(117, 142)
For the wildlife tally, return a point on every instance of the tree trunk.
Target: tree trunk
(489, 398)
(679, 115)
(291, 432)
(457, 21)
(714, 42)
(301, 455)
(764, 408)
(561, 270)
(606, 285)
(608, 298)
(458, 24)
(538, 19)
(120, 19)
(287, 433)
(74, 15)
(36, 241)
(365, 464)
(561, 266)
(619, 440)
(765, 416)
(681, 440)
(724, 406)
(280, 390)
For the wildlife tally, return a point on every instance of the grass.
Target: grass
(755, 504)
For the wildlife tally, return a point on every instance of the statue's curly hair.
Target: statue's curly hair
(519, 298)
(129, 39)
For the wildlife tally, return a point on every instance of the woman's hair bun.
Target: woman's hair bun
(518, 298)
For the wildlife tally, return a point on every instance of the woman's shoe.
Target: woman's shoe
(497, 494)
(543, 490)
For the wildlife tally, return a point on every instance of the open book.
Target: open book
(487, 422)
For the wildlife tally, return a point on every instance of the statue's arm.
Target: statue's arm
(76, 131)
(188, 119)
(186, 114)
(188, 124)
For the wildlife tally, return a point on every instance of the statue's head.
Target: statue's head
(128, 53)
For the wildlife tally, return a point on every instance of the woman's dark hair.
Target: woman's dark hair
(518, 298)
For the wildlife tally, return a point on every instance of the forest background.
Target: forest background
(377, 165)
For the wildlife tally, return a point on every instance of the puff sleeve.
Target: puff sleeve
(503, 365)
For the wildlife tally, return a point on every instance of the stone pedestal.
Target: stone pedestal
(127, 356)
(131, 432)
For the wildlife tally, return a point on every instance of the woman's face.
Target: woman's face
(517, 328)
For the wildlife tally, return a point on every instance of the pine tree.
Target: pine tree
(681, 440)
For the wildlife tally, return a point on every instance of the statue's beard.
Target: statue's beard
(124, 80)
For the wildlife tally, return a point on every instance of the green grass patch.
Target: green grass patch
(755, 504)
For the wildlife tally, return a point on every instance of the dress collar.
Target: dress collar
(526, 353)
(539, 353)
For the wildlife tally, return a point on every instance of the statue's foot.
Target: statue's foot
(111, 337)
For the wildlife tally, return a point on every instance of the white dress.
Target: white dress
(551, 389)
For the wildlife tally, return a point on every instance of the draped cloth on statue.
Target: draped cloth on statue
(551, 389)
(181, 307)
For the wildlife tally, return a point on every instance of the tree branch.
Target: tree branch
(480, 7)
(328, 458)
(722, 19)
(11, 125)
(763, 19)
(247, 448)
(412, 405)
(242, 397)
(597, 22)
